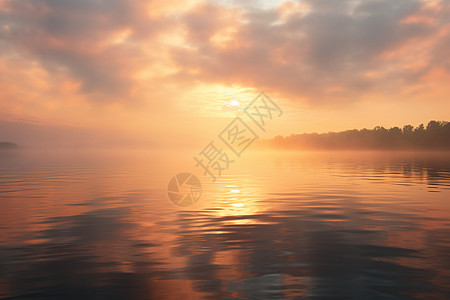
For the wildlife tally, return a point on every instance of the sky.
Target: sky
(82, 72)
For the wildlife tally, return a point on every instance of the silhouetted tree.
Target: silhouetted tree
(436, 135)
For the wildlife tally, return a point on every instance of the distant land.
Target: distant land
(434, 136)
(7, 145)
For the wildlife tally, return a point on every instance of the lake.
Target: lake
(331, 225)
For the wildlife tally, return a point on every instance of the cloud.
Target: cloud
(99, 44)
(133, 64)
(326, 50)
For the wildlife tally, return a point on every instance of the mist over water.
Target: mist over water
(333, 225)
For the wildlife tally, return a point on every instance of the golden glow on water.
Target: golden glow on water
(268, 222)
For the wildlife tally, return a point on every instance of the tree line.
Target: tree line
(436, 135)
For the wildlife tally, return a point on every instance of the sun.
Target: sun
(234, 103)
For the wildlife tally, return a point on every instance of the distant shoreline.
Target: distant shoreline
(8, 146)
(434, 137)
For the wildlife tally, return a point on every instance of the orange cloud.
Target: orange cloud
(128, 64)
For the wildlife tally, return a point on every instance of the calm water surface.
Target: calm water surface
(98, 225)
